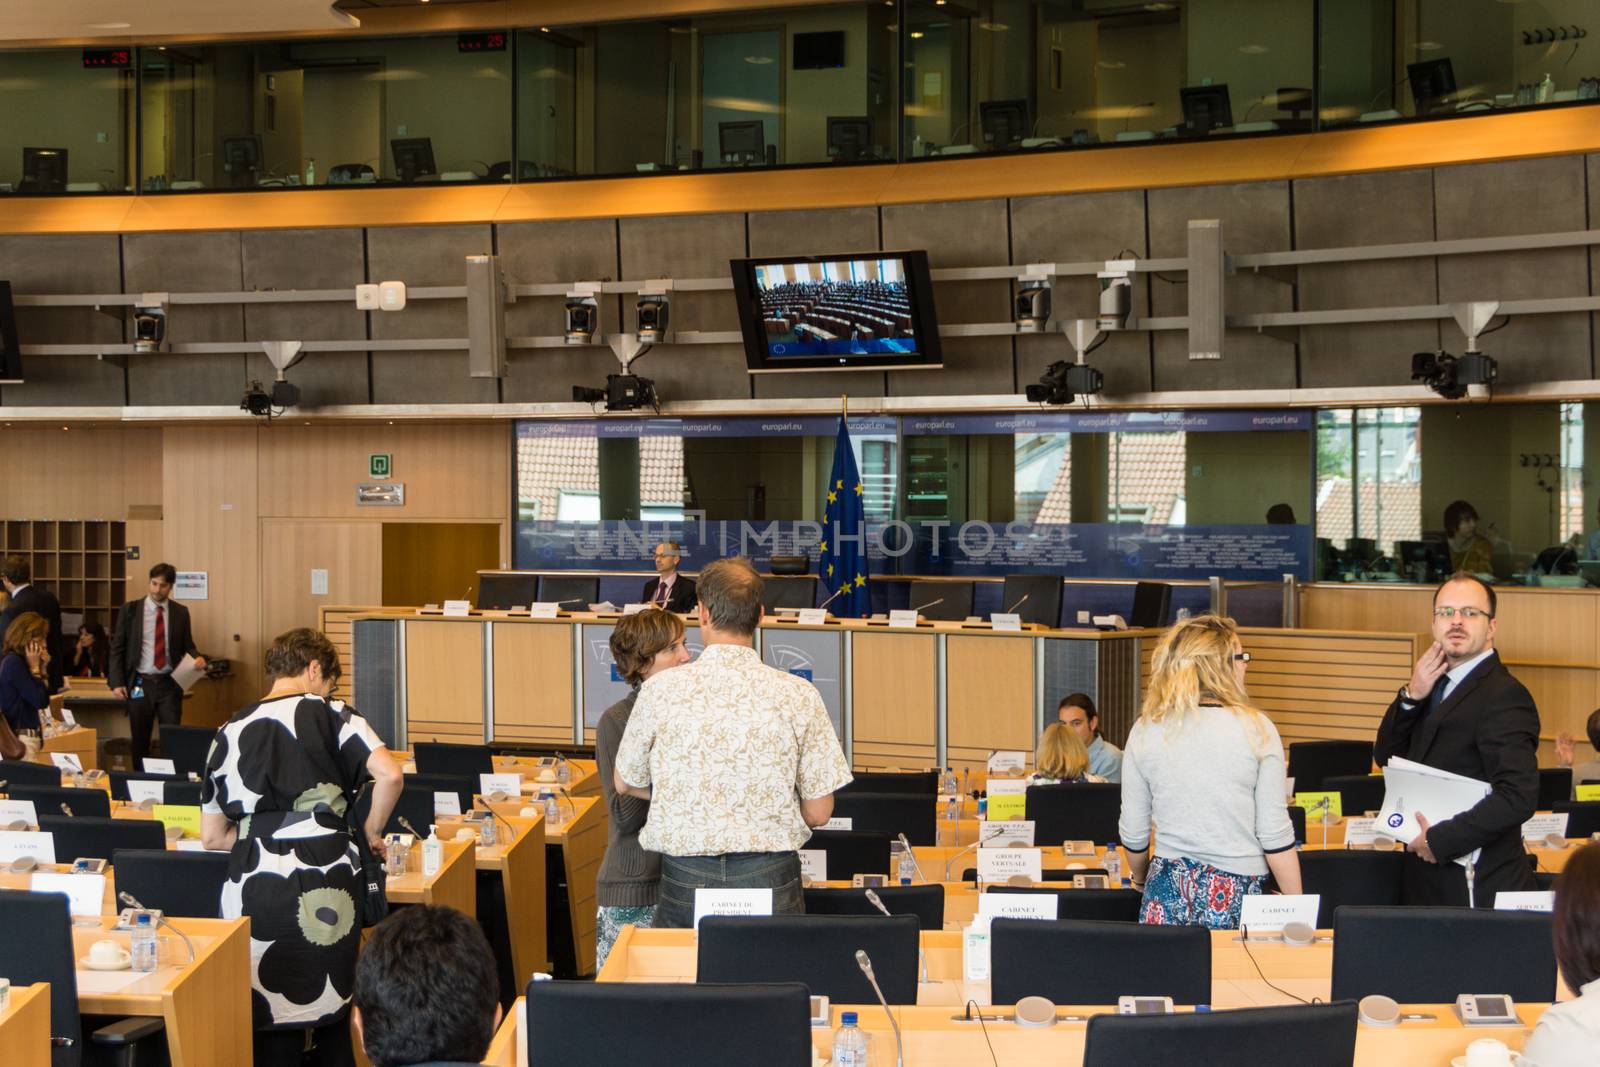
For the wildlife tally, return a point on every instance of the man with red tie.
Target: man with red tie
(669, 589)
(151, 638)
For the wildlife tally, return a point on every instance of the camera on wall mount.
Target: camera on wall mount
(1031, 307)
(623, 392)
(1064, 382)
(1450, 376)
(150, 323)
(1116, 295)
(285, 394)
(583, 313)
(652, 307)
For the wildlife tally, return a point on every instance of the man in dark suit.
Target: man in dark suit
(1463, 712)
(17, 577)
(669, 589)
(151, 638)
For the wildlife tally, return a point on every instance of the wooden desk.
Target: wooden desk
(81, 741)
(25, 1027)
(453, 886)
(582, 840)
(521, 867)
(503, 1050)
(206, 1004)
(583, 774)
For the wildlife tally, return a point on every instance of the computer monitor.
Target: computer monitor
(44, 170)
(504, 590)
(1004, 122)
(10, 351)
(241, 158)
(413, 157)
(1423, 561)
(1035, 597)
(1590, 569)
(1361, 551)
(1205, 108)
(849, 138)
(744, 141)
(1431, 81)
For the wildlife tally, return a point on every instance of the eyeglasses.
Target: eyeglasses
(1466, 613)
(1242, 657)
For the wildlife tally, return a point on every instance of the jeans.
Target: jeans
(682, 875)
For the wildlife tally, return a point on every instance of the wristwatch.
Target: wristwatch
(1407, 698)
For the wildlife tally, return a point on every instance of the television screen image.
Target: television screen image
(10, 351)
(871, 310)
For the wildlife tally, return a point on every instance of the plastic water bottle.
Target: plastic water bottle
(552, 809)
(488, 836)
(908, 867)
(143, 943)
(952, 784)
(563, 773)
(850, 1043)
(1113, 865)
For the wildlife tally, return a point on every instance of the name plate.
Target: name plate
(1018, 906)
(1007, 761)
(139, 792)
(1264, 913)
(1543, 825)
(1524, 901)
(1002, 620)
(13, 810)
(67, 761)
(68, 718)
(1320, 806)
(1007, 832)
(814, 864)
(85, 893)
(813, 617)
(185, 817)
(159, 766)
(544, 610)
(446, 802)
(633, 609)
(731, 902)
(1007, 806)
(999, 864)
(903, 620)
(1587, 792)
(1000, 787)
(14, 844)
(1360, 832)
(509, 784)
(458, 609)
(838, 822)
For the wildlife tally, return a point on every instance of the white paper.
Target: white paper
(187, 845)
(1018, 906)
(1006, 832)
(457, 608)
(1003, 620)
(1266, 913)
(85, 893)
(1543, 825)
(1524, 901)
(1007, 760)
(185, 674)
(838, 822)
(902, 620)
(1360, 831)
(1412, 787)
(14, 844)
(68, 718)
(813, 616)
(319, 581)
(731, 902)
(138, 791)
(1000, 787)
(67, 761)
(814, 864)
(999, 864)
(633, 609)
(159, 766)
(509, 784)
(193, 585)
(12, 810)
(544, 609)
(446, 802)
(1289, 789)
(604, 607)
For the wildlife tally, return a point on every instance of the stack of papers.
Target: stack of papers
(1410, 787)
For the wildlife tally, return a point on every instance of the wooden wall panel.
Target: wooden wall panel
(87, 472)
(894, 700)
(444, 681)
(988, 696)
(431, 562)
(351, 553)
(533, 682)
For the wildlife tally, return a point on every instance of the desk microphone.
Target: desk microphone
(65, 810)
(574, 600)
(511, 831)
(865, 963)
(929, 604)
(405, 824)
(1472, 872)
(922, 960)
(128, 899)
(1012, 610)
(1326, 807)
(975, 845)
(4, 782)
(837, 593)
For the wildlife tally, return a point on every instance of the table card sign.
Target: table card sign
(85, 893)
(67, 761)
(814, 864)
(1320, 806)
(1007, 806)
(1007, 761)
(813, 617)
(544, 609)
(1524, 901)
(1265, 913)
(185, 817)
(67, 717)
(1587, 792)
(903, 620)
(139, 792)
(999, 864)
(196, 846)
(14, 844)
(633, 609)
(1003, 620)
(159, 766)
(1001, 833)
(1544, 824)
(457, 609)
(731, 902)
(839, 822)
(1018, 906)
(446, 802)
(1360, 832)
(999, 787)
(14, 810)
(509, 784)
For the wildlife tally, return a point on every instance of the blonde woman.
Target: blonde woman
(1208, 769)
(1062, 757)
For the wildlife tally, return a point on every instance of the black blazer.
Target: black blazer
(40, 602)
(127, 638)
(1487, 728)
(682, 598)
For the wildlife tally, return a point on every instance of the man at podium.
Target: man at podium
(670, 590)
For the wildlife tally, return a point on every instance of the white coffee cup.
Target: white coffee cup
(106, 951)
(1487, 1052)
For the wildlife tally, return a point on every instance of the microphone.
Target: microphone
(865, 963)
(975, 845)
(922, 959)
(1326, 807)
(907, 846)
(405, 824)
(65, 810)
(929, 604)
(511, 831)
(1013, 608)
(837, 593)
(128, 899)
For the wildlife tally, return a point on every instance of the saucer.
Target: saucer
(1515, 1061)
(120, 965)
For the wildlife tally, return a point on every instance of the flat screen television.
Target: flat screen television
(851, 311)
(823, 50)
(10, 351)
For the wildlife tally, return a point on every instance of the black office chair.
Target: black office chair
(415, 804)
(179, 883)
(577, 1022)
(788, 593)
(1112, 959)
(1082, 811)
(954, 600)
(852, 852)
(1313, 1035)
(1097, 905)
(1297, 820)
(187, 746)
(1152, 604)
(912, 814)
(926, 902)
(819, 950)
(24, 772)
(1555, 786)
(434, 757)
(574, 594)
(1583, 816)
(1341, 876)
(1046, 874)
(99, 838)
(1311, 763)
(791, 565)
(1432, 955)
(175, 788)
(923, 782)
(36, 946)
(1357, 792)
(47, 800)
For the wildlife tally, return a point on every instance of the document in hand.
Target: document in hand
(185, 674)
(1410, 787)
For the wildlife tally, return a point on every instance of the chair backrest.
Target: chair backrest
(1357, 792)
(1583, 816)
(47, 800)
(36, 946)
(578, 1022)
(1074, 812)
(912, 814)
(926, 902)
(416, 800)
(187, 884)
(1432, 955)
(1099, 905)
(852, 852)
(581, 591)
(1342, 876)
(1297, 823)
(1313, 762)
(1152, 603)
(788, 592)
(923, 782)
(25, 772)
(176, 788)
(1312, 1035)
(1555, 785)
(99, 838)
(819, 950)
(434, 757)
(1029, 957)
(789, 566)
(187, 746)
(954, 600)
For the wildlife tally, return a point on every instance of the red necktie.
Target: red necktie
(661, 593)
(158, 655)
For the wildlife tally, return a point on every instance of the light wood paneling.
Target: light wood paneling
(444, 680)
(87, 472)
(431, 562)
(894, 699)
(146, 536)
(988, 696)
(25, 1026)
(290, 549)
(533, 682)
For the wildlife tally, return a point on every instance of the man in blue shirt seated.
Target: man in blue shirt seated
(1105, 759)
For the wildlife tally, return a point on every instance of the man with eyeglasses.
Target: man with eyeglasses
(669, 589)
(1463, 712)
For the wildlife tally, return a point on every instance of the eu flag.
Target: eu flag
(844, 526)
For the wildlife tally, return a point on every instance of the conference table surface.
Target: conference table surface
(583, 779)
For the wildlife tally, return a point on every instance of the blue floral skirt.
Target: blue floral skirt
(1183, 892)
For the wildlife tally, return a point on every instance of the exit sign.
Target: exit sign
(378, 465)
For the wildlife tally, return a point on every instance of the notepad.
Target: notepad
(1440, 795)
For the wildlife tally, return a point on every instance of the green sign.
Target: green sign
(378, 465)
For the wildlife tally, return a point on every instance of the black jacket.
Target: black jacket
(1487, 728)
(682, 598)
(127, 638)
(40, 602)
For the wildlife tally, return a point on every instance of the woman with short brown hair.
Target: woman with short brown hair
(1568, 1034)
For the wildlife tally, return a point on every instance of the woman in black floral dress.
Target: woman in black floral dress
(279, 779)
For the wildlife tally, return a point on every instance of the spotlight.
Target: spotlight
(1063, 382)
(1449, 375)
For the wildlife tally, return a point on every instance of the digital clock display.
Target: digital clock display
(494, 41)
(107, 57)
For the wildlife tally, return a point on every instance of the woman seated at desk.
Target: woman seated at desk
(91, 655)
(1568, 1034)
(24, 695)
(1062, 757)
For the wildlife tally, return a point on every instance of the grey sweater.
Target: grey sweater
(629, 876)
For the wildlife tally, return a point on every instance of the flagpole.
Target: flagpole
(844, 407)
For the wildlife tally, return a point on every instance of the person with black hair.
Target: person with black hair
(1470, 551)
(151, 638)
(427, 993)
(1077, 710)
(91, 654)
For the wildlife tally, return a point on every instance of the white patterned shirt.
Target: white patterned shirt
(729, 747)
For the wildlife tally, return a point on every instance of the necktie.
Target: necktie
(661, 593)
(158, 654)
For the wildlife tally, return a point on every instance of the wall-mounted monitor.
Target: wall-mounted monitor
(857, 311)
(10, 351)
(413, 157)
(823, 50)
